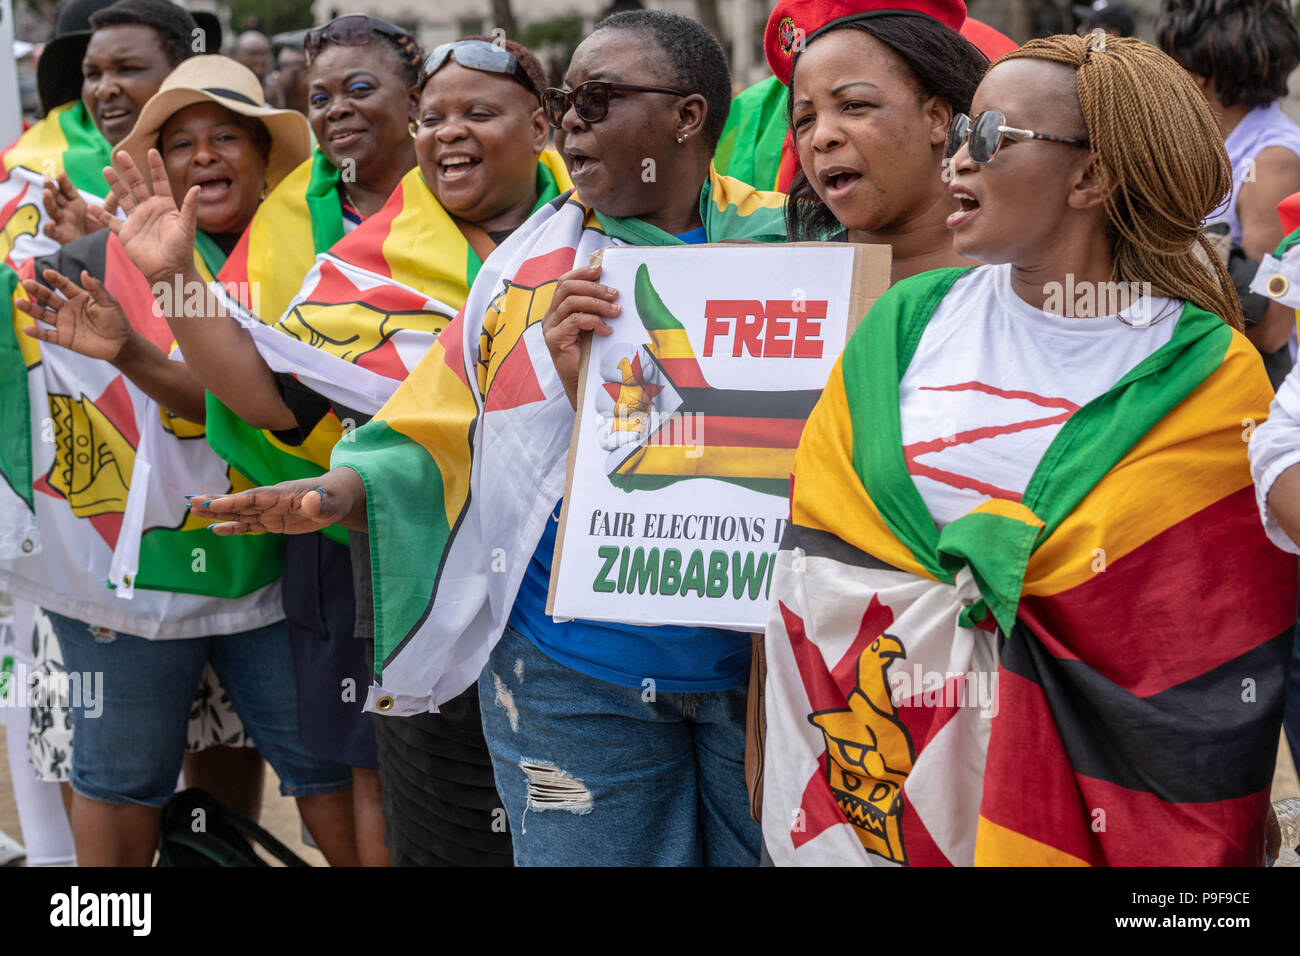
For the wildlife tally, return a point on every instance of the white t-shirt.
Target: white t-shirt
(994, 379)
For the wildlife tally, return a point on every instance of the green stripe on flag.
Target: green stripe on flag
(199, 562)
(407, 513)
(322, 205)
(87, 153)
(654, 314)
(15, 401)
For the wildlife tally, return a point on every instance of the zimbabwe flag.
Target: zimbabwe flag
(94, 477)
(64, 141)
(687, 428)
(464, 464)
(1092, 675)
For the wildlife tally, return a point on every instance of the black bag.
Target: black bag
(221, 840)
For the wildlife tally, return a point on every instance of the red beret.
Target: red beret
(795, 20)
(989, 41)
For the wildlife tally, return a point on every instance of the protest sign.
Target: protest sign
(688, 418)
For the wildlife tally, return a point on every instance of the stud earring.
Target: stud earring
(411, 128)
(681, 137)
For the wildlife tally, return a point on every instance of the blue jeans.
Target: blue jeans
(594, 774)
(128, 746)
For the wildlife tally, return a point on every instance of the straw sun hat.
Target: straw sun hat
(220, 80)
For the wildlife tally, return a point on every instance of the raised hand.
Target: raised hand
(70, 214)
(291, 507)
(158, 237)
(85, 319)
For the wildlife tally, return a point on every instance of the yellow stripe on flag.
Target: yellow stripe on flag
(997, 846)
(711, 462)
(828, 495)
(1176, 470)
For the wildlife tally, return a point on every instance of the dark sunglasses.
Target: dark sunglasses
(986, 133)
(477, 55)
(355, 29)
(590, 100)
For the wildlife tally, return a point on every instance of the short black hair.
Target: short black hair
(174, 26)
(943, 63)
(696, 58)
(1247, 48)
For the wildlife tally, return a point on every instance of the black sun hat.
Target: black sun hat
(58, 70)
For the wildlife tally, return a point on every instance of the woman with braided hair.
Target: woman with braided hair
(1024, 613)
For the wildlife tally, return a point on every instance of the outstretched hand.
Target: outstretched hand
(71, 217)
(157, 236)
(291, 507)
(85, 319)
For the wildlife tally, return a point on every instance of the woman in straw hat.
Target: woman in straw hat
(120, 404)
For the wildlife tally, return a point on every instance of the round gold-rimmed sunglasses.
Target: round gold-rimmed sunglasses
(591, 100)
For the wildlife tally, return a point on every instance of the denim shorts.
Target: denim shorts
(130, 701)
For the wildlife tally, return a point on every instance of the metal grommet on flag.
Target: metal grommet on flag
(384, 704)
(1277, 285)
(27, 545)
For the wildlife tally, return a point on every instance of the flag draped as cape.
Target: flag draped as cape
(95, 475)
(466, 461)
(1092, 675)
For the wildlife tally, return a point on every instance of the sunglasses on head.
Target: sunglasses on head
(590, 100)
(477, 55)
(355, 29)
(985, 134)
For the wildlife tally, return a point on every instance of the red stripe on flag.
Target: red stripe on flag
(1143, 830)
(116, 404)
(385, 361)
(1029, 783)
(365, 247)
(128, 285)
(685, 373)
(543, 269)
(453, 348)
(1220, 554)
(515, 383)
(236, 270)
(718, 431)
(335, 288)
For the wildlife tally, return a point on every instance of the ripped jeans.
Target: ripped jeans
(593, 774)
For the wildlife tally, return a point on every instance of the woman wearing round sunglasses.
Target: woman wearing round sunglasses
(872, 96)
(1025, 464)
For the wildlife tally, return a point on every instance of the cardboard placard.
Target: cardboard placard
(688, 418)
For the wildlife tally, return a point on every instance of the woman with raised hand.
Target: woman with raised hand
(872, 94)
(106, 503)
(460, 474)
(361, 74)
(1024, 588)
(482, 169)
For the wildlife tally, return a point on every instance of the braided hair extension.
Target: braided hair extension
(411, 57)
(1153, 132)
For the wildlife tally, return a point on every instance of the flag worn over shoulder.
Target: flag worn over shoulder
(92, 506)
(366, 312)
(1130, 714)
(466, 461)
(64, 141)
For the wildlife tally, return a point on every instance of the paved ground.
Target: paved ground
(280, 816)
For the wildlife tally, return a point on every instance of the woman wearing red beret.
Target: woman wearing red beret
(873, 89)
